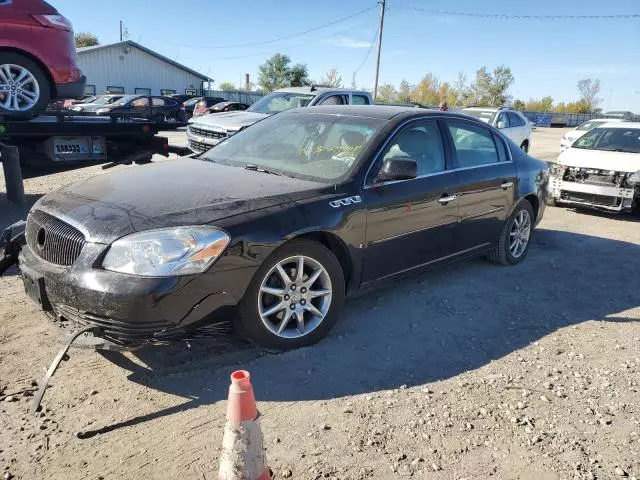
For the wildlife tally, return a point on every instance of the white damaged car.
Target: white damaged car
(600, 170)
(572, 135)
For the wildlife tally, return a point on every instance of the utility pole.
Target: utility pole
(375, 84)
(120, 30)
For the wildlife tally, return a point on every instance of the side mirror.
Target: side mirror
(398, 169)
(502, 125)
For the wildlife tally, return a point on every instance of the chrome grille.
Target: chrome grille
(52, 239)
(207, 133)
(198, 146)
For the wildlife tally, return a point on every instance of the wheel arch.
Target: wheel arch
(37, 61)
(336, 246)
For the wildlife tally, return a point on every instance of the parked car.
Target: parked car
(159, 109)
(222, 107)
(37, 58)
(574, 134)
(206, 131)
(600, 170)
(275, 225)
(181, 97)
(512, 123)
(97, 102)
(201, 106)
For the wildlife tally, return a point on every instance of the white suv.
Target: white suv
(512, 123)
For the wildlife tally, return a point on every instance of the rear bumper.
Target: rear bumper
(72, 89)
(614, 199)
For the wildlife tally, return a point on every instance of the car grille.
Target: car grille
(207, 133)
(198, 146)
(601, 200)
(52, 239)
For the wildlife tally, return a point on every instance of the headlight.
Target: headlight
(166, 252)
(102, 111)
(634, 179)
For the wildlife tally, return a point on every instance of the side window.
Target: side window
(502, 148)
(515, 120)
(473, 144)
(140, 102)
(333, 100)
(360, 99)
(158, 102)
(421, 142)
(503, 118)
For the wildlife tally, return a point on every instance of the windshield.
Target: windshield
(484, 115)
(124, 100)
(586, 126)
(610, 140)
(279, 102)
(318, 147)
(192, 101)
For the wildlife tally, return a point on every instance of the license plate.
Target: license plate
(35, 289)
(71, 146)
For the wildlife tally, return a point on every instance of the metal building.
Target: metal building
(128, 67)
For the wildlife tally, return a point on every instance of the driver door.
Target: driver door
(411, 223)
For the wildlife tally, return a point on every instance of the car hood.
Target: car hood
(227, 120)
(614, 161)
(168, 194)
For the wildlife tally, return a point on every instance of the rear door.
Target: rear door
(411, 223)
(487, 178)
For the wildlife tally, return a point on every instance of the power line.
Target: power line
(273, 40)
(371, 45)
(501, 16)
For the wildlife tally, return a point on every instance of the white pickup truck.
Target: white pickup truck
(206, 131)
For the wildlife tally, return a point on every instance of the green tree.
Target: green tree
(589, 89)
(519, 105)
(332, 78)
(544, 104)
(274, 73)
(464, 93)
(404, 92)
(226, 86)
(491, 88)
(299, 76)
(387, 93)
(84, 39)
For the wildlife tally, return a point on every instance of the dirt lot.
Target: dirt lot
(475, 371)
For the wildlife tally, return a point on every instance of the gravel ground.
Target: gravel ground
(474, 371)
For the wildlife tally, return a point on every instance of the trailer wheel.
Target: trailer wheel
(24, 88)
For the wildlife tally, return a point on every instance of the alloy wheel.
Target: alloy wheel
(294, 297)
(19, 89)
(520, 233)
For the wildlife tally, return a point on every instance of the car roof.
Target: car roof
(615, 124)
(490, 109)
(313, 90)
(385, 112)
(616, 120)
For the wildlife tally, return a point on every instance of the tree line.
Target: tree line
(488, 88)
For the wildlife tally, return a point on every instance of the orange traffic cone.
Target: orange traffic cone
(242, 453)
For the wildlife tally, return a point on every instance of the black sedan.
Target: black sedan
(159, 109)
(274, 226)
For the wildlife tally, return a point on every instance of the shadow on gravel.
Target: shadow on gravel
(424, 329)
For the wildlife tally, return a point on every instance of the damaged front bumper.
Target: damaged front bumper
(128, 310)
(609, 198)
(11, 242)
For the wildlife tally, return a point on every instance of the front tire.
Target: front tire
(515, 237)
(24, 87)
(294, 299)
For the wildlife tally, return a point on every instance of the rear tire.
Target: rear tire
(504, 253)
(282, 329)
(35, 86)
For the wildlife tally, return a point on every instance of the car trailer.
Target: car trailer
(64, 139)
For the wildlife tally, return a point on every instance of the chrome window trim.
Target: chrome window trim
(434, 117)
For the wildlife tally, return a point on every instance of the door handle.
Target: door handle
(447, 198)
(506, 185)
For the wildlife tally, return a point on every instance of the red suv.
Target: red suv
(37, 58)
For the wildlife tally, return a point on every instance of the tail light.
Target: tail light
(54, 21)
